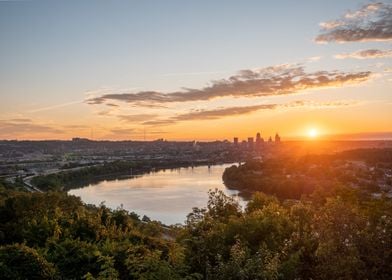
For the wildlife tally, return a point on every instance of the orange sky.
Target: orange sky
(195, 72)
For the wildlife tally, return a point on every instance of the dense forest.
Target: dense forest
(70, 178)
(339, 234)
(334, 228)
(291, 177)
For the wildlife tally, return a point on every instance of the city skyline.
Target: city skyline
(128, 70)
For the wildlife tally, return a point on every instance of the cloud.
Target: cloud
(274, 80)
(321, 105)
(20, 120)
(136, 117)
(372, 22)
(21, 126)
(365, 54)
(76, 126)
(193, 73)
(243, 110)
(55, 106)
(136, 133)
(122, 130)
(212, 114)
(313, 58)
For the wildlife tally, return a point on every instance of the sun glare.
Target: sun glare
(313, 133)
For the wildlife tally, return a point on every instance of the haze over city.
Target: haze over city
(197, 140)
(200, 70)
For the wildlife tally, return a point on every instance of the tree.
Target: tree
(21, 262)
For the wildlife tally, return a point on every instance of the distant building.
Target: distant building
(277, 138)
(250, 143)
(259, 140)
(269, 139)
(235, 141)
(78, 139)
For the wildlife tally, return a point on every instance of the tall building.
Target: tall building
(250, 143)
(277, 138)
(270, 139)
(235, 141)
(259, 140)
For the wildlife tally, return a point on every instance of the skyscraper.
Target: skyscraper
(250, 143)
(259, 140)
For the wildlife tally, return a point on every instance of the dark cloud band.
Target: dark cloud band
(243, 110)
(270, 81)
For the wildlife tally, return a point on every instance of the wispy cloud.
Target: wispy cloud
(112, 105)
(313, 58)
(193, 73)
(23, 126)
(321, 105)
(137, 117)
(372, 22)
(122, 131)
(365, 54)
(21, 120)
(76, 126)
(243, 110)
(56, 106)
(128, 133)
(270, 81)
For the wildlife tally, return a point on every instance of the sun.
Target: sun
(312, 133)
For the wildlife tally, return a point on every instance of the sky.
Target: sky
(195, 70)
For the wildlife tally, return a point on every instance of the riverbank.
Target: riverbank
(67, 180)
(166, 195)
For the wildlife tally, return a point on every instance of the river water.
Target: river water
(167, 195)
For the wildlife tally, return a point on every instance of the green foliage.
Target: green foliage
(66, 179)
(21, 262)
(341, 237)
(292, 177)
(17, 185)
(78, 241)
(334, 233)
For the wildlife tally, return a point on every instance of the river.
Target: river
(167, 195)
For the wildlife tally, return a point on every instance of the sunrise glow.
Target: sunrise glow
(313, 133)
(200, 76)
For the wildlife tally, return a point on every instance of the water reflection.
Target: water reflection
(166, 195)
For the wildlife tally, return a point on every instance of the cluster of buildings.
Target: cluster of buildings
(251, 143)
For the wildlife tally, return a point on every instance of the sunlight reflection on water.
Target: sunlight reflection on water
(167, 195)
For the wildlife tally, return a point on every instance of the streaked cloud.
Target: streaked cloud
(365, 54)
(372, 22)
(22, 126)
(193, 73)
(313, 58)
(127, 133)
(76, 126)
(275, 80)
(20, 120)
(211, 114)
(243, 110)
(112, 105)
(55, 106)
(122, 130)
(320, 105)
(137, 117)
